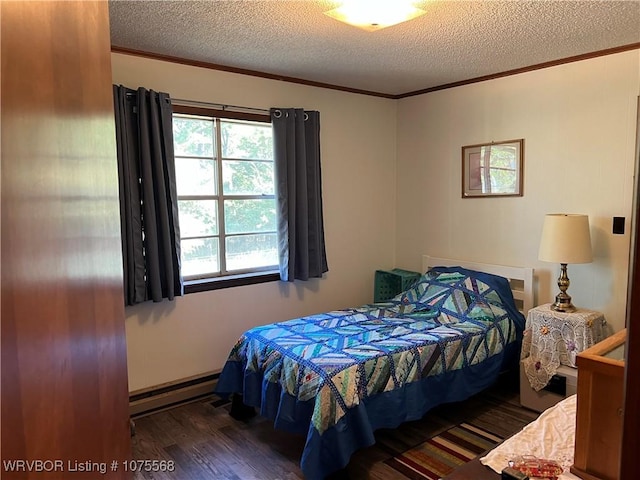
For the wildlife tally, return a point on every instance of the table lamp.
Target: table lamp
(565, 239)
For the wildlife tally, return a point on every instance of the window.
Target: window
(226, 194)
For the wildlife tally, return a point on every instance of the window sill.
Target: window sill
(204, 285)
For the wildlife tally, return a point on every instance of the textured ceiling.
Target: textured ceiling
(455, 41)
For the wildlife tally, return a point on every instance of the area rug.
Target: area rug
(441, 454)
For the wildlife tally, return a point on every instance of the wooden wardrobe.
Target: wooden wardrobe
(64, 371)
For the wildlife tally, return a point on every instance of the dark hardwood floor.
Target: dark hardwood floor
(206, 443)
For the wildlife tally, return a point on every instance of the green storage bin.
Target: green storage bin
(389, 283)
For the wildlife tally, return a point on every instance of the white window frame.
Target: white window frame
(224, 277)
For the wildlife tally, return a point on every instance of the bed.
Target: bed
(550, 436)
(338, 376)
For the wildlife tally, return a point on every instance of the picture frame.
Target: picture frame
(493, 169)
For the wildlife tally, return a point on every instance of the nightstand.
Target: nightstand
(550, 345)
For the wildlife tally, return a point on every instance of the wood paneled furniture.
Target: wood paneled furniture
(64, 366)
(599, 414)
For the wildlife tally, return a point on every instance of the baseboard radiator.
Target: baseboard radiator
(168, 395)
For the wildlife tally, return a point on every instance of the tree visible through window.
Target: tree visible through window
(498, 168)
(226, 195)
(492, 169)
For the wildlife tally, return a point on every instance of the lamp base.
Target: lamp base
(563, 299)
(563, 304)
(562, 307)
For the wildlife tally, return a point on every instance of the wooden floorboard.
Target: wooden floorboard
(206, 443)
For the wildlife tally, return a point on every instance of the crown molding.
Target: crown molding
(283, 78)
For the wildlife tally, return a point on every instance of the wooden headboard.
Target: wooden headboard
(520, 278)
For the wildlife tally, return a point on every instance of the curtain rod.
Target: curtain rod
(221, 106)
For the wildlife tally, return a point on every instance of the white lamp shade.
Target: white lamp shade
(565, 239)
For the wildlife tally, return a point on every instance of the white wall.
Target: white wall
(193, 335)
(578, 121)
(579, 124)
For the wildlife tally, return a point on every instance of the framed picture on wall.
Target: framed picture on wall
(493, 169)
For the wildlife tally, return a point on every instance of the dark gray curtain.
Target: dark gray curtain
(148, 197)
(296, 141)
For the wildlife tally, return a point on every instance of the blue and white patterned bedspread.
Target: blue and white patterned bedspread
(449, 320)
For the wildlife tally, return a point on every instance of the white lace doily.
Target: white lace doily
(554, 338)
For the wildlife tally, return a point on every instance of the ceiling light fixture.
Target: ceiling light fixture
(374, 15)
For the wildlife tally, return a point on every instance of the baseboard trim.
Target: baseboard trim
(169, 395)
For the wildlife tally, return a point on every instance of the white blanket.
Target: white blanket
(551, 436)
